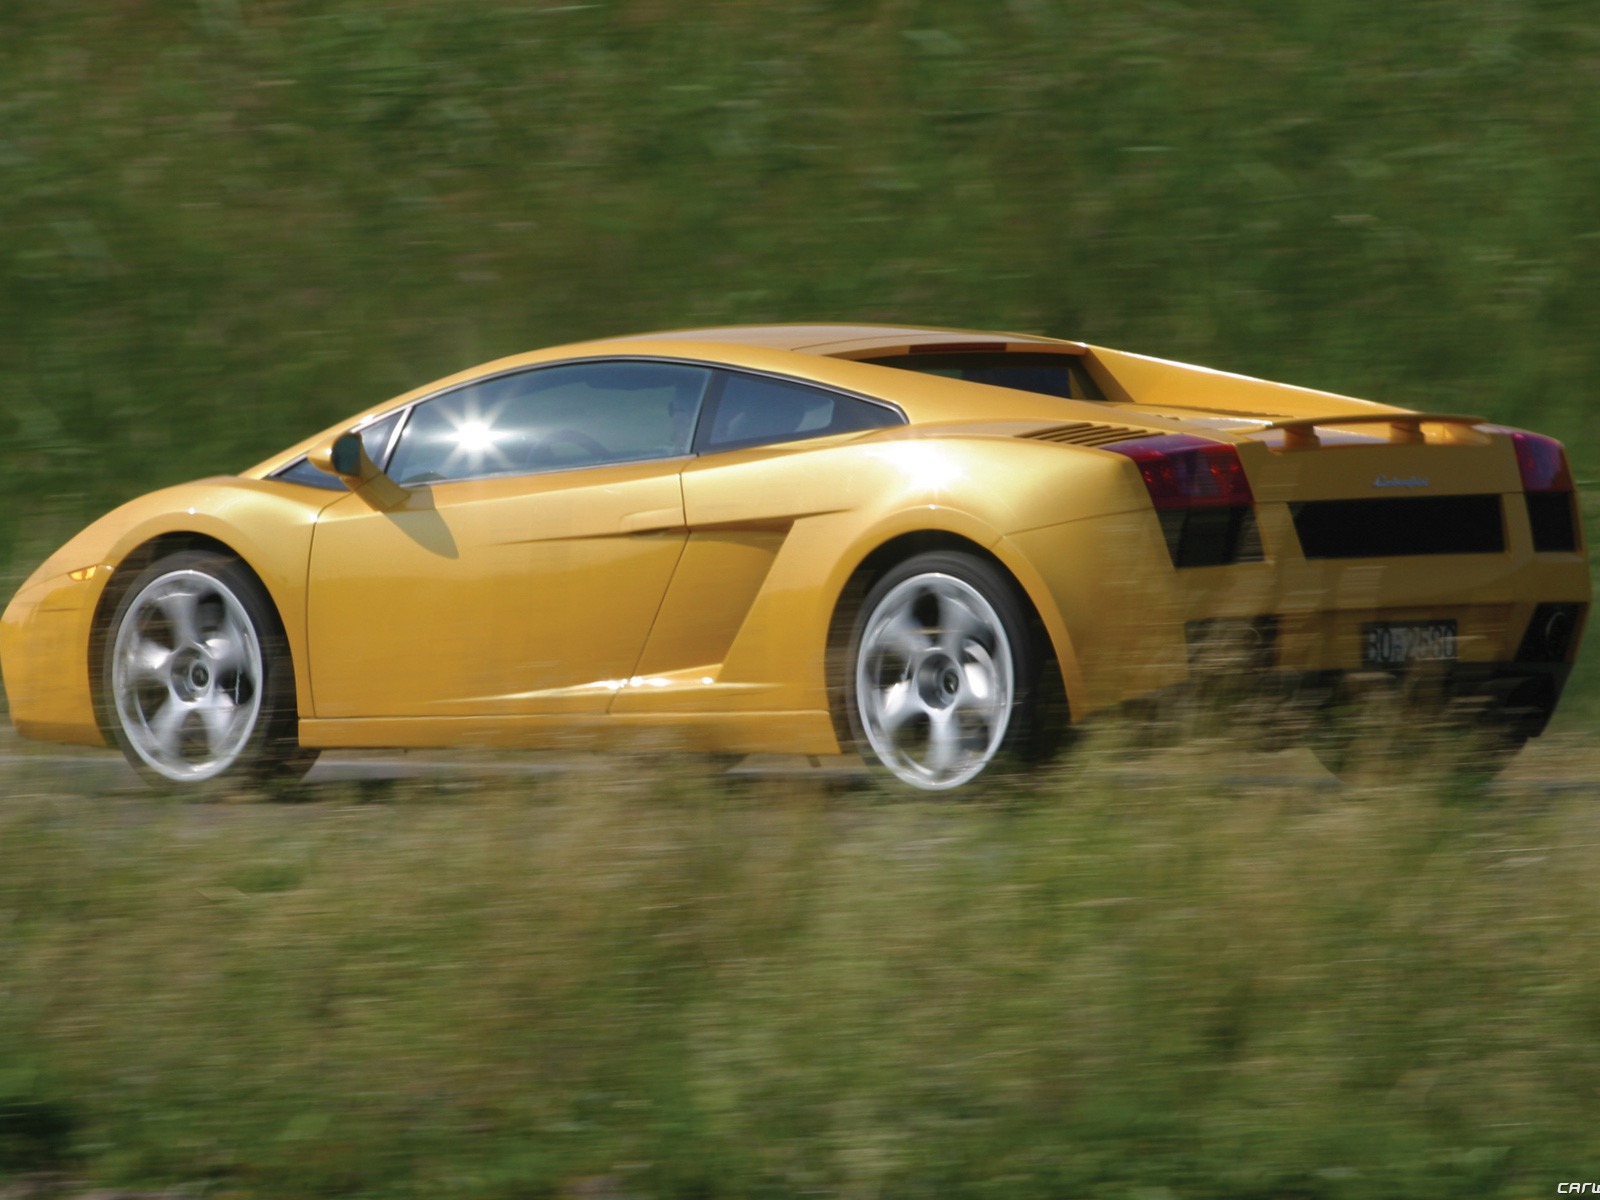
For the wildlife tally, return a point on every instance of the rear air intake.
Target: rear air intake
(1211, 537)
(1554, 525)
(1394, 527)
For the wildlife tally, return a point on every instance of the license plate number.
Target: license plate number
(1396, 643)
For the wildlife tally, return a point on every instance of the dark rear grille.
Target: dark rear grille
(1211, 537)
(1391, 527)
(1551, 519)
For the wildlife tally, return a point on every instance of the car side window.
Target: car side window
(552, 419)
(757, 410)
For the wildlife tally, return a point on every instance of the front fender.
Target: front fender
(45, 632)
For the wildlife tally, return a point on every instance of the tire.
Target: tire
(941, 672)
(1393, 731)
(1477, 759)
(196, 681)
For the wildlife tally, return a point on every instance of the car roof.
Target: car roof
(855, 341)
(785, 350)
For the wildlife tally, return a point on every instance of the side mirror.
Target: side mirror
(345, 457)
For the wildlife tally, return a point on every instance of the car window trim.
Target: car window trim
(718, 369)
(381, 461)
(402, 415)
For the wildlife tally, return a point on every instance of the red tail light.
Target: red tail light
(1184, 471)
(1543, 463)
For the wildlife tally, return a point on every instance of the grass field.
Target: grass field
(226, 223)
(1143, 977)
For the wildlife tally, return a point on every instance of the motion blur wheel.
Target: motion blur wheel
(942, 669)
(197, 681)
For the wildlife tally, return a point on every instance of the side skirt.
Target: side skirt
(801, 732)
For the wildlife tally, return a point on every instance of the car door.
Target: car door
(542, 521)
(727, 622)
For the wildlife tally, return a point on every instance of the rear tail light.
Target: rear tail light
(1547, 484)
(1202, 498)
(1543, 463)
(1183, 471)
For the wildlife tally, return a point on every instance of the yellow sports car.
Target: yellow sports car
(929, 547)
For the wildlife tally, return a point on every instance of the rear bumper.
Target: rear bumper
(1118, 610)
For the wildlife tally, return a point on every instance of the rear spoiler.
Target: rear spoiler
(1300, 433)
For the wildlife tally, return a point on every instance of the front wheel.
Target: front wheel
(197, 682)
(942, 670)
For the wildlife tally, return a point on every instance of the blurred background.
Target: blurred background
(227, 223)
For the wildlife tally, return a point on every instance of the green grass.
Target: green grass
(1126, 980)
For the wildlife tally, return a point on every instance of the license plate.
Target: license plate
(1396, 643)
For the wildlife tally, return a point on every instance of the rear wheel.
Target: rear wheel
(197, 683)
(942, 671)
(1378, 730)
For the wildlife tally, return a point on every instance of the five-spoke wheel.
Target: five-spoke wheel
(196, 676)
(941, 661)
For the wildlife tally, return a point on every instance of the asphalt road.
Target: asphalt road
(95, 772)
(1547, 767)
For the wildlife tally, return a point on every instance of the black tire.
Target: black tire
(1393, 731)
(939, 672)
(196, 684)
(1477, 759)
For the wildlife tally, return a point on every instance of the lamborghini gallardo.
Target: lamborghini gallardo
(934, 549)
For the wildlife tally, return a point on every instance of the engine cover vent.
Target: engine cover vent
(1086, 433)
